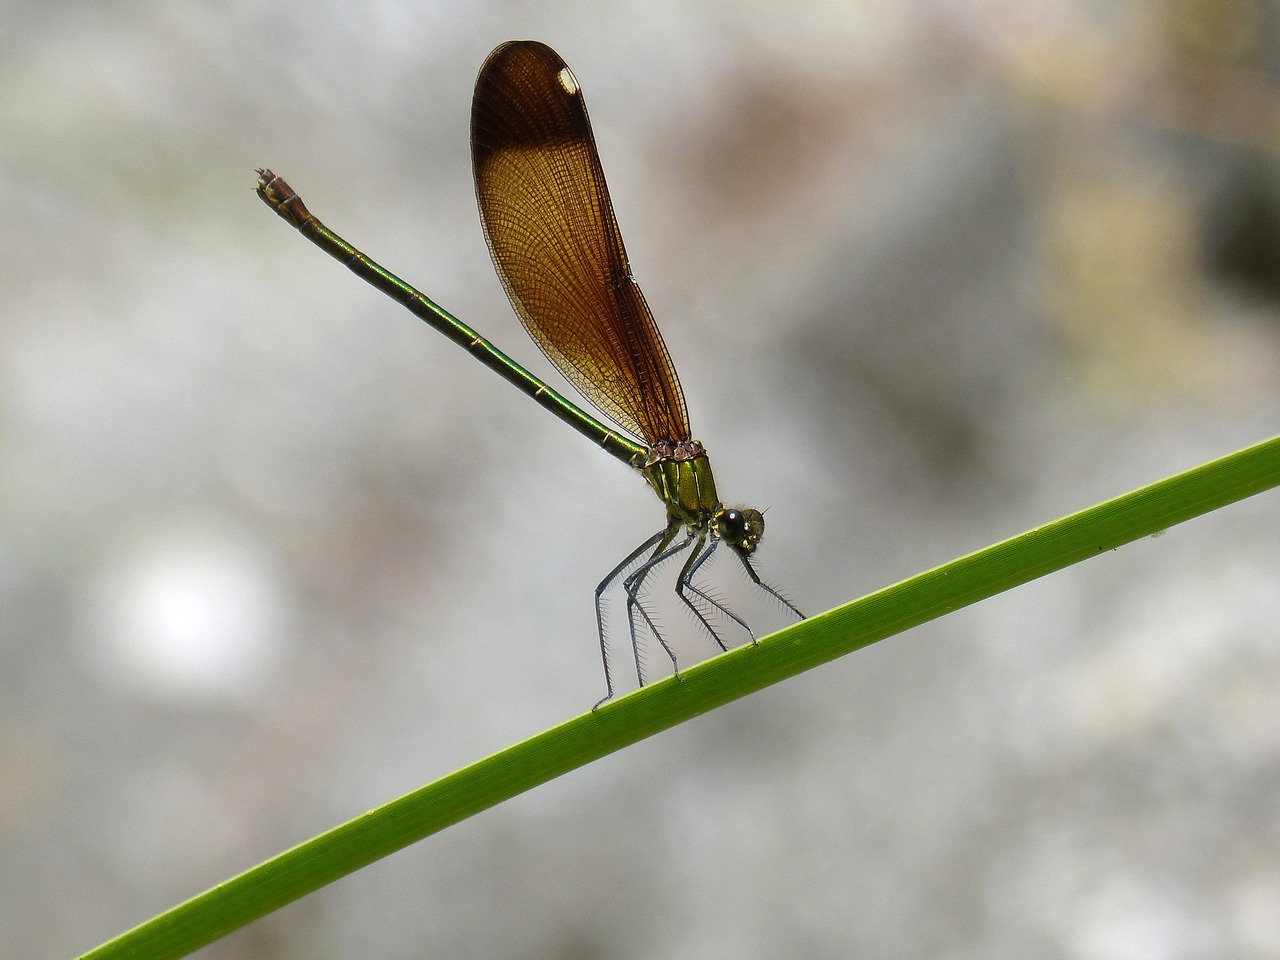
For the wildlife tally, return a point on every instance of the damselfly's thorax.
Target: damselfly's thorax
(680, 473)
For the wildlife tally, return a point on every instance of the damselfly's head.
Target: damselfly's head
(740, 529)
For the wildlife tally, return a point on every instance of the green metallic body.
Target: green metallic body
(280, 197)
(686, 487)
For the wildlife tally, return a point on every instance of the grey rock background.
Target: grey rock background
(272, 553)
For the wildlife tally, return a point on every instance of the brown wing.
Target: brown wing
(554, 240)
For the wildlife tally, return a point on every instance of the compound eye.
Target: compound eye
(733, 525)
(741, 529)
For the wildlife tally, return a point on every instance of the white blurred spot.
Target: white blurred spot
(1130, 918)
(192, 614)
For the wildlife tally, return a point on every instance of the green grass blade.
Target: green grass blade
(662, 705)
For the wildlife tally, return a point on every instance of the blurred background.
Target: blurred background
(272, 552)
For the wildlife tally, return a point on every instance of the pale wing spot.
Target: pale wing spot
(567, 81)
